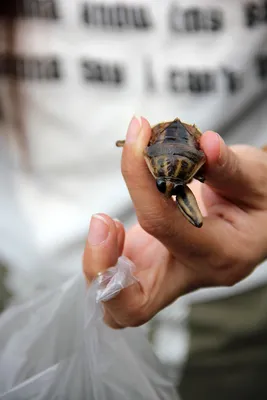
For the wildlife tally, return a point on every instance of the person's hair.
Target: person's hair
(8, 11)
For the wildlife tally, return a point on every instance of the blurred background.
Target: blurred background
(72, 74)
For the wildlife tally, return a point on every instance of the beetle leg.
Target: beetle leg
(120, 143)
(188, 206)
(200, 175)
(201, 178)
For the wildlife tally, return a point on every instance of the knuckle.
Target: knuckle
(157, 219)
(147, 225)
(152, 223)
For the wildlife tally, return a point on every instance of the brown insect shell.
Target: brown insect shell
(175, 163)
(173, 153)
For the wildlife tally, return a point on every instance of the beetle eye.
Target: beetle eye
(176, 190)
(161, 185)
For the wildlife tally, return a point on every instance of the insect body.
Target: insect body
(174, 158)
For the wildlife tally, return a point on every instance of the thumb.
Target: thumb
(235, 172)
(102, 250)
(103, 246)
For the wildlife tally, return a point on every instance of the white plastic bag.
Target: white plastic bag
(58, 347)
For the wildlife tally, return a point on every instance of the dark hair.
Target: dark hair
(8, 11)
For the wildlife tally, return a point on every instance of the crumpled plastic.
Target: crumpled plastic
(58, 347)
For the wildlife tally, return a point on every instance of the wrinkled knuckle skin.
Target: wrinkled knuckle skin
(147, 225)
(153, 225)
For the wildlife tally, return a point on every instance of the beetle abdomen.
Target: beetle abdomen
(175, 168)
(174, 149)
(175, 162)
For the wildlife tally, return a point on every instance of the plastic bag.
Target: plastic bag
(58, 347)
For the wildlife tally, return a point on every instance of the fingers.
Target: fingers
(157, 215)
(237, 173)
(103, 246)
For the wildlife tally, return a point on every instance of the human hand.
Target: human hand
(171, 256)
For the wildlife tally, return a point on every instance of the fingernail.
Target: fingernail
(134, 129)
(98, 230)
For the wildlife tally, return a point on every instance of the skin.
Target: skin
(172, 257)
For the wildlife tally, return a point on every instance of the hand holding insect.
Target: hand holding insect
(172, 257)
(174, 158)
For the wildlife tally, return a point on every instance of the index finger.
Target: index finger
(156, 214)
